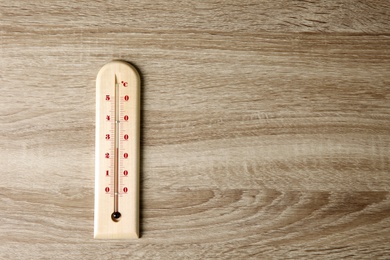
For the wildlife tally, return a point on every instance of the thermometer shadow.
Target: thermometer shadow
(141, 152)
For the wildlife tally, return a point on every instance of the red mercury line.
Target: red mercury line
(116, 215)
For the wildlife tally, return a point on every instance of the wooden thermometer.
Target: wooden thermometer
(117, 152)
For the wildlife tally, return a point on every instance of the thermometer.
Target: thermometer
(117, 152)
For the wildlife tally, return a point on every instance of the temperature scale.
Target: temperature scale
(117, 152)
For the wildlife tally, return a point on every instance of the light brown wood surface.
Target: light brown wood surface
(265, 127)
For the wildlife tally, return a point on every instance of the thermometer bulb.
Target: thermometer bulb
(115, 216)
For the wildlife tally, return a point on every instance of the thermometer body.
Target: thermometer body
(116, 213)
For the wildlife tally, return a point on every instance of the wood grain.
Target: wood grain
(265, 127)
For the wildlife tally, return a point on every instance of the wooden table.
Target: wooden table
(265, 127)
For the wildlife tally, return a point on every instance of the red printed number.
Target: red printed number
(125, 172)
(107, 97)
(125, 189)
(107, 189)
(125, 155)
(126, 98)
(107, 155)
(126, 117)
(108, 118)
(107, 173)
(126, 137)
(107, 136)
